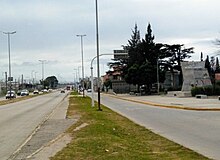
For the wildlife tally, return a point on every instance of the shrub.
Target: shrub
(197, 90)
(217, 90)
(217, 83)
(208, 90)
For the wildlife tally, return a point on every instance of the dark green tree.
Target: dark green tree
(142, 61)
(121, 64)
(210, 69)
(51, 82)
(178, 53)
(217, 68)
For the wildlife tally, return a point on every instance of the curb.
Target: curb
(167, 106)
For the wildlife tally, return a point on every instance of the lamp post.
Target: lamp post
(42, 62)
(81, 37)
(92, 88)
(9, 59)
(97, 44)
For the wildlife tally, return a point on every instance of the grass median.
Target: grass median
(110, 136)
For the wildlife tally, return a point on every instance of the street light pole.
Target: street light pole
(92, 88)
(9, 59)
(81, 37)
(42, 62)
(158, 80)
(97, 43)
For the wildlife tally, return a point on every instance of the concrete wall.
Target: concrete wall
(194, 74)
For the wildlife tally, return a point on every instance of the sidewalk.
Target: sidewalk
(187, 103)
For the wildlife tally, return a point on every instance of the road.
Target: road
(19, 120)
(197, 130)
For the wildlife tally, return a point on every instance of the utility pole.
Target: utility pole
(97, 44)
(83, 85)
(10, 78)
(6, 82)
(42, 62)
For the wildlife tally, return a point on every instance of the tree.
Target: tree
(51, 82)
(177, 55)
(141, 69)
(217, 68)
(121, 64)
(210, 69)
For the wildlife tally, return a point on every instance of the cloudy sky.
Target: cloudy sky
(47, 29)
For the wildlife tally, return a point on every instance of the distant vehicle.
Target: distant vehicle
(19, 92)
(67, 87)
(44, 90)
(11, 94)
(89, 90)
(24, 92)
(62, 91)
(35, 91)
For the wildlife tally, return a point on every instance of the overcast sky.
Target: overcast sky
(47, 29)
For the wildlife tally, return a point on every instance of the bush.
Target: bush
(208, 90)
(217, 83)
(217, 90)
(197, 90)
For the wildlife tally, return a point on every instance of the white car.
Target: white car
(24, 92)
(35, 91)
(45, 91)
(11, 94)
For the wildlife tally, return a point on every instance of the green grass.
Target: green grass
(110, 136)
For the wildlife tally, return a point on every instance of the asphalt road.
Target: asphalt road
(19, 120)
(197, 130)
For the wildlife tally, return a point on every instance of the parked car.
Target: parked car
(35, 91)
(44, 90)
(89, 90)
(24, 92)
(19, 92)
(11, 94)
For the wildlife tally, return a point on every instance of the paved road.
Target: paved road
(197, 130)
(19, 120)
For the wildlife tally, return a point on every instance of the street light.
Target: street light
(81, 37)
(9, 59)
(158, 82)
(97, 44)
(42, 62)
(92, 88)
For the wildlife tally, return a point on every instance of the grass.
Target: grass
(110, 136)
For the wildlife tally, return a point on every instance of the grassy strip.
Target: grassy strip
(110, 136)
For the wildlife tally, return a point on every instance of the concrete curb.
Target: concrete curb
(167, 106)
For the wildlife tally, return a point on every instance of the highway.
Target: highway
(19, 120)
(197, 130)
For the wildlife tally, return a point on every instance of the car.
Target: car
(62, 91)
(24, 92)
(45, 91)
(35, 91)
(89, 90)
(19, 92)
(10, 94)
